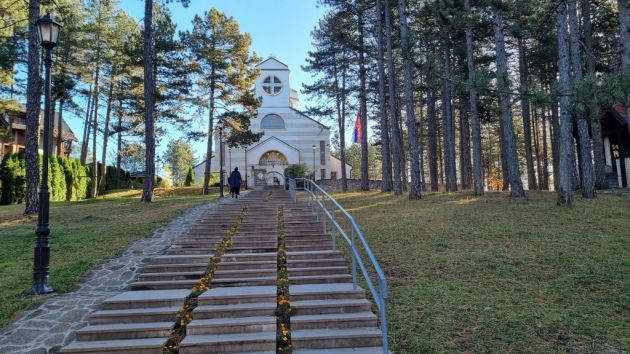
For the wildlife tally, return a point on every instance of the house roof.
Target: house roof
(338, 159)
(261, 143)
(620, 112)
(20, 123)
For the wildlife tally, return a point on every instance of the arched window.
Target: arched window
(272, 85)
(272, 121)
(273, 158)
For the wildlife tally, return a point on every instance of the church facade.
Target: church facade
(290, 137)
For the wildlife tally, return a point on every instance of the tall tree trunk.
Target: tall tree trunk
(33, 103)
(440, 155)
(119, 143)
(341, 124)
(149, 116)
(206, 176)
(525, 108)
(108, 114)
(386, 162)
(60, 130)
(624, 30)
(393, 110)
(86, 127)
(95, 181)
(448, 122)
(464, 145)
(507, 125)
(584, 143)
(474, 115)
(415, 187)
(342, 137)
(536, 137)
(565, 190)
(433, 142)
(545, 160)
(599, 158)
(365, 177)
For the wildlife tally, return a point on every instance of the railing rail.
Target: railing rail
(322, 203)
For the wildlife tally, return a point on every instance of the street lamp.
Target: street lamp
(246, 180)
(230, 160)
(48, 30)
(314, 148)
(221, 180)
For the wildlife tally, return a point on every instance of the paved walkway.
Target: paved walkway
(234, 252)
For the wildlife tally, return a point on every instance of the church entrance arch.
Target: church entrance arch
(270, 171)
(275, 179)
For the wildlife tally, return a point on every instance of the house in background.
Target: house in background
(616, 137)
(13, 133)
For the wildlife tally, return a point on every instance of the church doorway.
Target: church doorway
(270, 169)
(275, 179)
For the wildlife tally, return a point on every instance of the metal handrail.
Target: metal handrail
(328, 207)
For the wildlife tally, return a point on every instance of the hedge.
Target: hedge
(67, 179)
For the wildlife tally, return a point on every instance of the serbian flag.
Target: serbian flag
(357, 136)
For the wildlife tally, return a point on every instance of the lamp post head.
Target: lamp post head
(48, 30)
(314, 147)
(220, 125)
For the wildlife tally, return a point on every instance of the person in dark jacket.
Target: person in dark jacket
(235, 183)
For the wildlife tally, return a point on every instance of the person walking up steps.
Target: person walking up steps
(235, 183)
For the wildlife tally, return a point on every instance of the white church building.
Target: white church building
(290, 137)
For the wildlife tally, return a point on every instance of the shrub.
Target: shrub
(190, 177)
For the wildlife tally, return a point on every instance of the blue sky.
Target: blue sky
(278, 27)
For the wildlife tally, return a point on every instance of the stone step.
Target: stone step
(272, 264)
(249, 257)
(299, 248)
(336, 338)
(254, 249)
(189, 250)
(245, 281)
(333, 320)
(235, 310)
(141, 315)
(297, 272)
(313, 255)
(364, 350)
(167, 268)
(231, 325)
(135, 346)
(144, 299)
(326, 291)
(238, 295)
(322, 262)
(228, 343)
(320, 279)
(316, 307)
(239, 273)
(164, 284)
(180, 259)
(125, 331)
(307, 240)
(170, 276)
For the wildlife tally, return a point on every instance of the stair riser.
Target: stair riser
(341, 278)
(200, 330)
(228, 348)
(313, 256)
(226, 258)
(117, 351)
(132, 319)
(124, 305)
(177, 251)
(165, 286)
(180, 260)
(332, 309)
(298, 325)
(169, 269)
(109, 335)
(236, 266)
(324, 263)
(204, 315)
(244, 274)
(252, 282)
(164, 277)
(323, 343)
(315, 271)
(309, 248)
(328, 296)
(234, 300)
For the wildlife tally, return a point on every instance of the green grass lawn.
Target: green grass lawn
(83, 234)
(494, 274)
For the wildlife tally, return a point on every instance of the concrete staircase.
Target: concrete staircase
(237, 313)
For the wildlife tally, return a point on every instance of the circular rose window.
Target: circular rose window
(272, 85)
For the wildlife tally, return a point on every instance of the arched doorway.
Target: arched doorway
(270, 171)
(275, 179)
(273, 158)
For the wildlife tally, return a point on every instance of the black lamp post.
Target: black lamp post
(246, 180)
(314, 148)
(48, 30)
(229, 160)
(221, 180)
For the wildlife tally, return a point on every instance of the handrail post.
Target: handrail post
(324, 214)
(332, 226)
(354, 260)
(384, 328)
